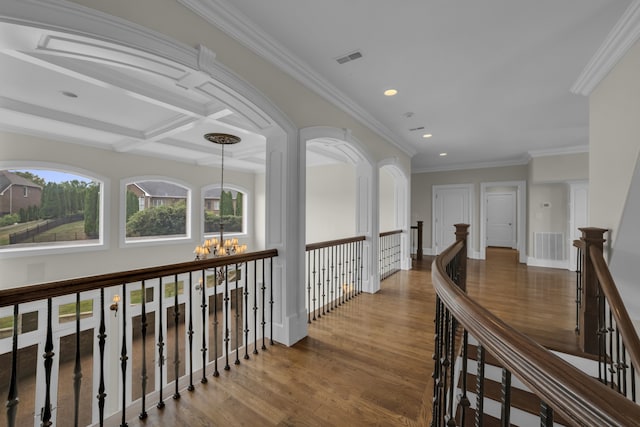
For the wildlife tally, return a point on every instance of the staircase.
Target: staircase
(525, 406)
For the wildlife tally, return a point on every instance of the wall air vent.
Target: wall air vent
(349, 57)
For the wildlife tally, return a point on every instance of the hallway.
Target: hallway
(369, 361)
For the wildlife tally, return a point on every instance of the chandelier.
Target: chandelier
(219, 246)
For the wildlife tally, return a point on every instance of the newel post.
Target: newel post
(591, 236)
(462, 232)
(419, 250)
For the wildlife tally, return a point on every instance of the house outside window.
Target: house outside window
(228, 207)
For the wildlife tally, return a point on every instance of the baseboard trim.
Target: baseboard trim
(548, 263)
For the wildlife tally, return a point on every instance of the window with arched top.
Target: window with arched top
(42, 207)
(227, 207)
(155, 208)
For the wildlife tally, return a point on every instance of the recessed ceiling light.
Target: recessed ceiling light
(390, 92)
(427, 135)
(443, 154)
(69, 94)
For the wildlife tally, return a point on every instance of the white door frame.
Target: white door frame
(575, 186)
(470, 203)
(521, 211)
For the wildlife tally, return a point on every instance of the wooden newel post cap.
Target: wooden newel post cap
(462, 231)
(593, 234)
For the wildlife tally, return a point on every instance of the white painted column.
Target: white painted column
(367, 223)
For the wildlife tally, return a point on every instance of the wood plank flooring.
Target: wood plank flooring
(369, 361)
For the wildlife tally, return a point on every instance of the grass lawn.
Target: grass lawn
(16, 228)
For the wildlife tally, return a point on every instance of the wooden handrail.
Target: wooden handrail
(42, 291)
(573, 394)
(329, 243)
(610, 290)
(391, 233)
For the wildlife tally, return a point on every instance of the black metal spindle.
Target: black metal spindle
(271, 300)
(610, 354)
(102, 337)
(633, 382)
(578, 288)
(237, 329)
(319, 283)
(452, 366)
(264, 290)
(246, 311)
(332, 286)
(77, 367)
(618, 365)
(12, 399)
(203, 310)
(255, 307)
(216, 373)
(546, 415)
(226, 318)
(160, 345)
(345, 281)
(505, 413)
(312, 303)
(190, 332)
(176, 335)
(48, 364)
(143, 376)
(361, 265)
(464, 399)
(480, 386)
(340, 277)
(308, 286)
(324, 283)
(436, 365)
(124, 357)
(445, 362)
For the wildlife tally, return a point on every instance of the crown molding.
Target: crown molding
(623, 35)
(238, 26)
(578, 149)
(468, 166)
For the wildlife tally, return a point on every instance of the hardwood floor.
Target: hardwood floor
(369, 361)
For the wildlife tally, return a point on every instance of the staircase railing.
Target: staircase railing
(390, 251)
(334, 274)
(114, 340)
(562, 388)
(605, 326)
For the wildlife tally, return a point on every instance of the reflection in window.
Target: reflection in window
(227, 207)
(39, 206)
(156, 209)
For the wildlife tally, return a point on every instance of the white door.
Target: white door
(578, 217)
(501, 219)
(451, 205)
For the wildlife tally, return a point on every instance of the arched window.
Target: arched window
(44, 207)
(155, 208)
(228, 207)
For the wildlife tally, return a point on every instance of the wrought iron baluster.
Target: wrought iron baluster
(505, 414)
(77, 367)
(633, 383)
(618, 366)
(332, 287)
(464, 399)
(203, 310)
(602, 357)
(255, 307)
(144, 377)
(319, 283)
(160, 344)
(361, 264)
(12, 399)
(345, 277)
(271, 299)
(480, 386)
(226, 318)
(324, 270)
(610, 355)
(216, 373)
(445, 362)
(452, 366)
(264, 322)
(48, 364)
(237, 361)
(578, 288)
(124, 356)
(190, 332)
(246, 311)
(308, 286)
(436, 365)
(176, 347)
(546, 415)
(102, 337)
(341, 300)
(312, 303)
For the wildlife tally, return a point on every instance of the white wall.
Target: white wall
(614, 109)
(548, 211)
(421, 188)
(331, 202)
(387, 201)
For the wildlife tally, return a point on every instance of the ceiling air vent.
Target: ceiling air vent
(349, 57)
(415, 129)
